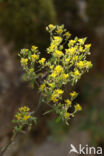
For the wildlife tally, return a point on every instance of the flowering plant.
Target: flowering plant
(66, 63)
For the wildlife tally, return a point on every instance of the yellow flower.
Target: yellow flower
(78, 107)
(56, 95)
(65, 76)
(18, 116)
(67, 60)
(75, 58)
(34, 48)
(72, 94)
(59, 31)
(31, 70)
(25, 109)
(58, 53)
(71, 51)
(58, 69)
(67, 34)
(26, 117)
(71, 43)
(54, 44)
(51, 66)
(81, 49)
(34, 57)
(54, 74)
(66, 115)
(87, 46)
(24, 61)
(51, 27)
(82, 40)
(59, 91)
(51, 85)
(88, 64)
(83, 64)
(77, 73)
(57, 38)
(80, 64)
(68, 102)
(42, 61)
(42, 86)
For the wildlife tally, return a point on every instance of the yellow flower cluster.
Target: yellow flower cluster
(23, 114)
(57, 70)
(42, 61)
(54, 44)
(84, 64)
(24, 61)
(25, 109)
(58, 53)
(56, 95)
(23, 118)
(34, 57)
(66, 63)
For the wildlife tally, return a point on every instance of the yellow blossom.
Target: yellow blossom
(51, 66)
(58, 53)
(25, 109)
(59, 31)
(81, 49)
(67, 60)
(58, 69)
(26, 117)
(68, 102)
(51, 85)
(87, 46)
(42, 86)
(76, 73)
(65, 76)
(34, 48)
(72, 94)
(67, 34)
(54, 44)
(34, 57)
(51, 26)
(78, 107)
(88, 64)
(31, 70)
(24, 61)
(42, 61)
(71, 51)
(82, 40)
(75, 58)
(18, 116)
(80, 64)
(71, 43)
(56, 95)
(66, 115)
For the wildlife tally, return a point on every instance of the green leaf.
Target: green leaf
(58, 119)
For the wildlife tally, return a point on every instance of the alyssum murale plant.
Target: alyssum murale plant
(66, 63)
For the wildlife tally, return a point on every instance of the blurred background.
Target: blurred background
(22, 24)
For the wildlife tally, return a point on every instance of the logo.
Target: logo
(85, 150)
